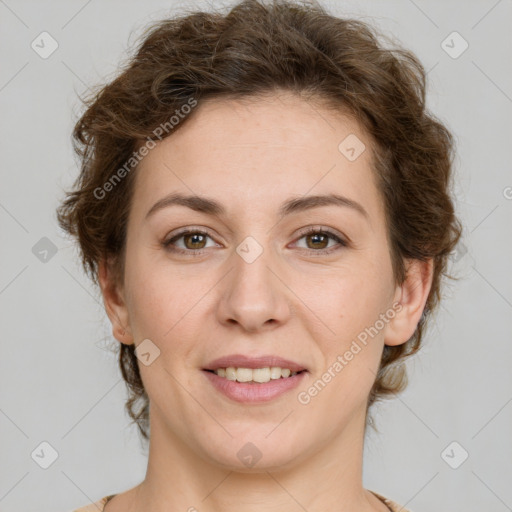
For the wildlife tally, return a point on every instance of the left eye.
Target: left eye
(318, 240)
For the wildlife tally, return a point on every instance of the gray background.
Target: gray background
(60, 383)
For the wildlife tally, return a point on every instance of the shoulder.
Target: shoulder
(98, 506)
(395, 507)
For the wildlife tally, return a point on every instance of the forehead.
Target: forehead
(259, 151)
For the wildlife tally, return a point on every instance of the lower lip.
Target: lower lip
(254, 393)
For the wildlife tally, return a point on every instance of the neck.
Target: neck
(328, 479)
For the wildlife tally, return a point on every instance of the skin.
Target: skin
(299, 304)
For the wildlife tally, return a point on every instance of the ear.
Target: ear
(115, 305)
(412, 294)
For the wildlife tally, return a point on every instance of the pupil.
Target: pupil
(194, 237)
(316, 236)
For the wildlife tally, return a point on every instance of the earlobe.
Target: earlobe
(412, 295)
(115, 306)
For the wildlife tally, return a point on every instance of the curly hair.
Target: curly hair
(252, 49)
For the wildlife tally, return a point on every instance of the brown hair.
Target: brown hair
(253, 49)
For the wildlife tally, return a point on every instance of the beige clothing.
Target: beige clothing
(99, 505)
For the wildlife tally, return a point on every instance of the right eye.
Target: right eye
(193, 240)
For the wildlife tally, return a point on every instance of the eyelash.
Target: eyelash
(199, 252)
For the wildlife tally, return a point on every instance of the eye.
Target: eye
(317, 240)
(193, 239)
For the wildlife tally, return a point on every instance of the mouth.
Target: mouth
(254, 379)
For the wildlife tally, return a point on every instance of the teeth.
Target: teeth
(230, 373)
(260, 375)
(243, 374)
(275, 372)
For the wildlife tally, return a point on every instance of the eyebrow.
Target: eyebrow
(293, 205)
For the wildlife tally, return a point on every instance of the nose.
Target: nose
(253, 295)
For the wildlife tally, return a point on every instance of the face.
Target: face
(259, 276)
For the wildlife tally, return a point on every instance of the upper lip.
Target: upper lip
(241, 361)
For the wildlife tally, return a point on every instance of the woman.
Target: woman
(264, 202)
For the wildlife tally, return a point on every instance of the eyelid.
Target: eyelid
(342, 240)
(186, 231)
(323, 229)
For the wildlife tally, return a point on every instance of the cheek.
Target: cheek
(158, 298)
(354, 299)
(354, 306)
(352, 355)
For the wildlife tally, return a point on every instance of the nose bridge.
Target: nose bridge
(253, 294)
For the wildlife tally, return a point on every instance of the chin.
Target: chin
(259, 463)
(253, 452)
